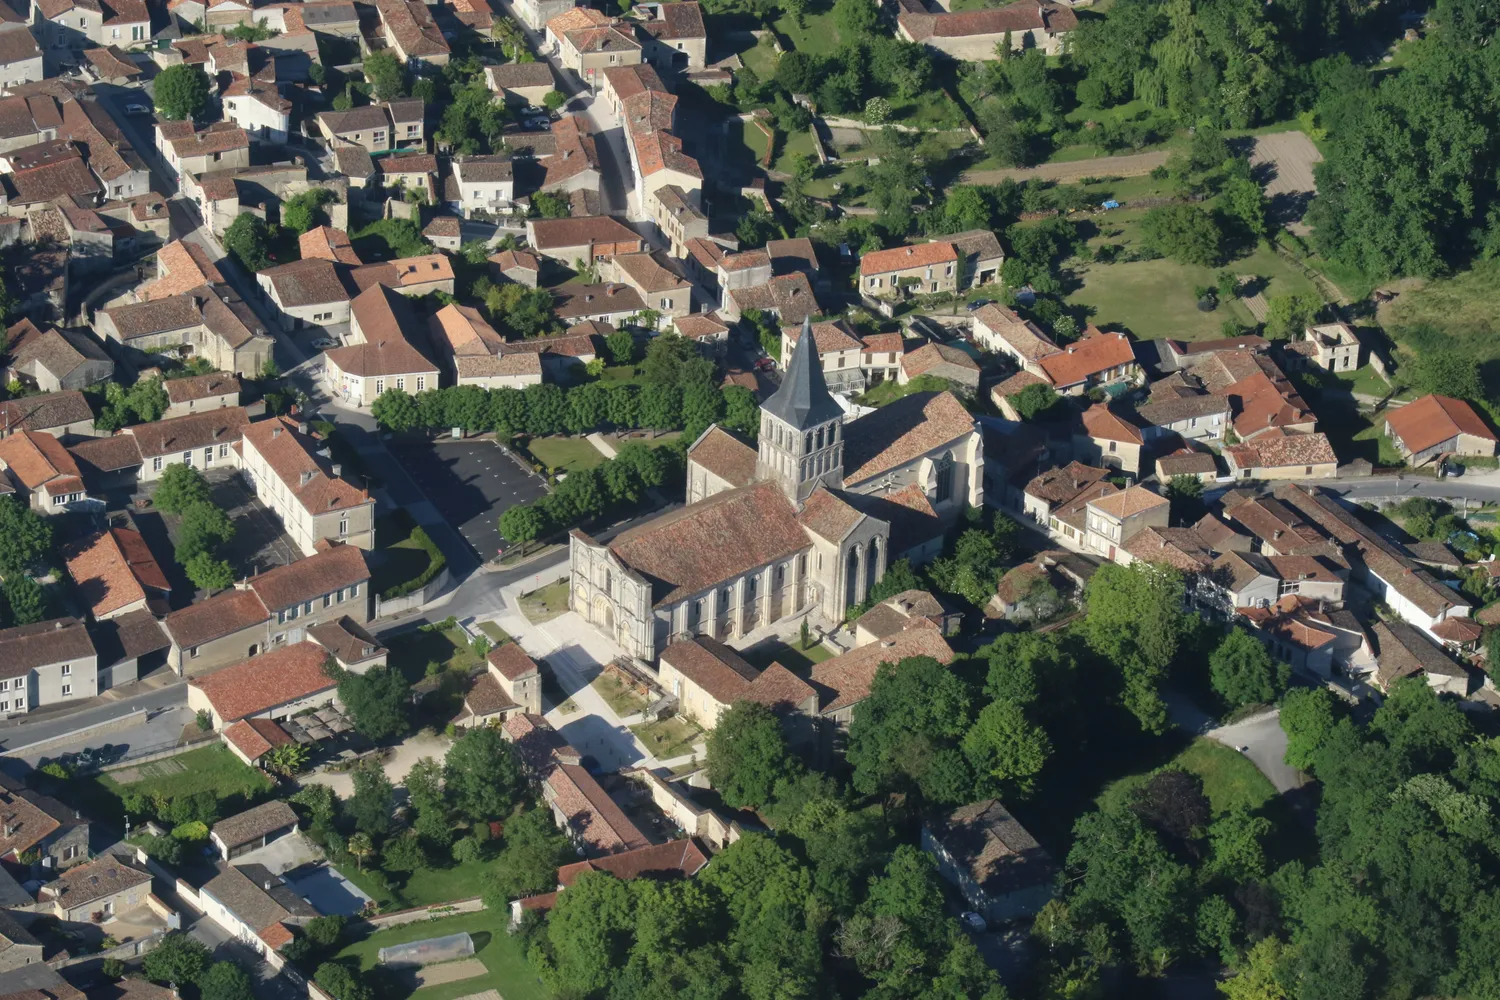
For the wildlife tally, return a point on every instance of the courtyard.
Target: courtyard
(471, 483)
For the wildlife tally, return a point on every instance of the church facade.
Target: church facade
(804, 521)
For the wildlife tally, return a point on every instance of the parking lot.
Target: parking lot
(471, 483)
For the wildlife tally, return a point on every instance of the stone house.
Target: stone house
(52, 360)
(973, 35)
(1192, 416)
(485, 183)
(198, 393)
(107, 887)
(1097, 359)
(521, 84)
(83, 24)
(17, 946)
(270, 610)
(220, 146)
(1115, 519)
(656, 277)
(202, 440)
(589, 42)
(41, 473)
(412, 34)
(511, 684)
(1277, 454)
(64, 414)
(1434, 426)
(38, 827)
(277, 685)
(584, 239)
(376, 128)
(316, 504)
(1106, 438)
(1331, 346)
(943, 361)
(209, 321)
(982, 257)
(20, 58)
(706, 677)
(840, 351)
(114, 573)
(381, 357)
(307, 292)
(923, 269)
(674, 36)
(536, 13)
(998, 867)
(998, 329)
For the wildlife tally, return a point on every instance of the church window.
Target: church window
(808, 445)
(802, 564)
(944, 489)
(820, 437)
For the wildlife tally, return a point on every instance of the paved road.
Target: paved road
(53, 724)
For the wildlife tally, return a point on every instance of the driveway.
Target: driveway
(396, 767)
(471, 483)
(1129, 165)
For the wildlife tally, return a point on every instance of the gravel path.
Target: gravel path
(1132, 165)
(450, 972)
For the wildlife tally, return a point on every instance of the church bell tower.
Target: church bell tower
(801, 432)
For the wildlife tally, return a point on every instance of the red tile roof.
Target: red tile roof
(1431, 420)
(263, 682)
(905, 258)
(1090, 356)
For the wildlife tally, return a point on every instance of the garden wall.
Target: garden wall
(418, 913)
(416, 599)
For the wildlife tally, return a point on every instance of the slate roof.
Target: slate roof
(803, 400)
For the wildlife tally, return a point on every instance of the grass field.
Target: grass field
(1465, 308)
(509, 972)
(659, 441)
(618, 695)
(494, 632)
(546, 603)
(404, 559)
(568, 454)
(671, 737)
(1155, 298)
(790, 655)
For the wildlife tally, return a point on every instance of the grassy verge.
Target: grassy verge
(509, 972)
(565, 454)
(1230, 780)
(210, 769)
(494, 632)
(545, 603)
(668, 738)
(618, 695)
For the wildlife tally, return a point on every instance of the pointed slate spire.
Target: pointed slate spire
(803, 399)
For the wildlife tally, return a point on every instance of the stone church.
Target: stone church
(805, 521)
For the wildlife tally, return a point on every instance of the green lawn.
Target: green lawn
(795, 144)
(816, 35)
(402, 557)
(755, 140)
(212, 769)
(790, 655)
(761, 58)
(671, 737)
(509, 972)
(618, 695)
(546, 603)
(565, 454)
(410, 652)
(621, 373)
(1229, 778)
(660, 441)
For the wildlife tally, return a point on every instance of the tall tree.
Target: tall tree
(373, 799)
(180, 92)
(747, 755)
(482, 772)
(906, 732)
(376, 701)
(1242, 672)
(1135, 621)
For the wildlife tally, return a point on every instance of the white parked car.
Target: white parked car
(324, 343)
(138, 109)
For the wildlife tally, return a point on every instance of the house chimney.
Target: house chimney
(338, 470)
(276, 432)
(306, 477)
(218, 432)
(57, 625)
(302, 428)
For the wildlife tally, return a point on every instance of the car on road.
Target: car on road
(138, 109)
(545, 124)
(324, 343)
(765, 364)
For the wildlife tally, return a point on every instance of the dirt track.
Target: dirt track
(1132, 165)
